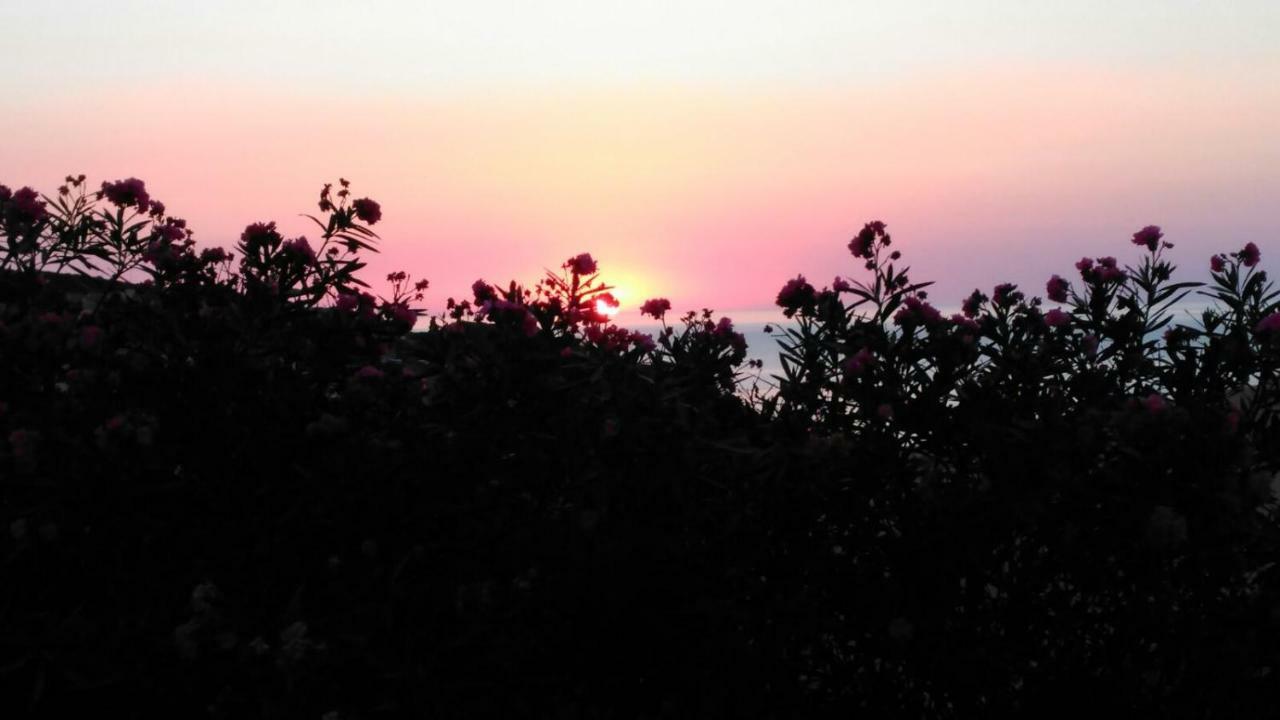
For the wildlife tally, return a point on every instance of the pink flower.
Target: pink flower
(369, 211)
(1155, 403)
(123, 193)
(90, 336)
(1250, 255)
(915, 311)
(260, 235)
(301, 249)
(840, 285)
(863, 244)
(859, 361)
(210, 256)
(23, 207)
(723, 330)
(1056, 318)
(1217, 264)
(796, 295)
(1108, 270)
(1268, 324)
(369, 372)
(1057, 289)
(1084, 266)
(1149, 236)
(656, 307)
(1005, 295)
(482, 291)
(582, 264)
(973, 303)
(172, 230)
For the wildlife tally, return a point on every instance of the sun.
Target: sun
(605, 309)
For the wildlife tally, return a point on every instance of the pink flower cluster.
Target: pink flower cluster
(1006, 295)
(1104, 271)
(915, 311)
(127, 193)
(1148, 236)
(369, 211)
(483, 292)
(505, 311)
(258, 236)
(1057, 289)
(655, 308)
(581, 265)
(1056, 318)
(796, 296)
(1268, 325)
(21, 209)
(614, 338)
(301, 250)
(863, 244)
(966, 325)
(973, 304)
(724, 330)
(1250, 255)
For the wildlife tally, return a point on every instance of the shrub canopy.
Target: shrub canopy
(235, 483)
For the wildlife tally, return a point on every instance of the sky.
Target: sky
(702, 151)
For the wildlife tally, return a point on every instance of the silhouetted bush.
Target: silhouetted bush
(235, 484)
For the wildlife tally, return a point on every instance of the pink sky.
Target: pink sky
(712, 186)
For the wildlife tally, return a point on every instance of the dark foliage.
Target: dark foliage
(236, 485)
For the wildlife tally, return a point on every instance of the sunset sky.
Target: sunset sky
(705, 151)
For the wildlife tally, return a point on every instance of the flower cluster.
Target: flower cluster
(21, 210)
(1149, 237)
(1102, 270)
(797, 296)
(1057, 288)
(581, 265)
(868, 240)
(130, 192)
(915, 311)
(612, 338)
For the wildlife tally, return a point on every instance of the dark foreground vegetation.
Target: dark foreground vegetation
(234, 485)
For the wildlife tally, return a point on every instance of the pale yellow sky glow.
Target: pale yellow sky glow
(704, 151)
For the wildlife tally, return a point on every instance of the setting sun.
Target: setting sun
(605, 308)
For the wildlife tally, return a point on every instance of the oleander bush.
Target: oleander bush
(240, 483)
